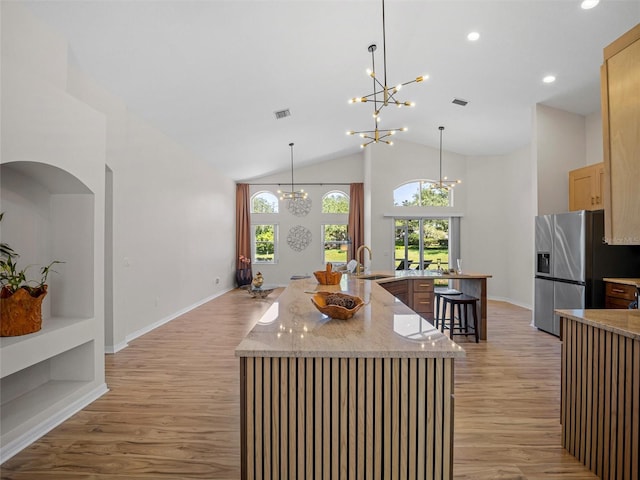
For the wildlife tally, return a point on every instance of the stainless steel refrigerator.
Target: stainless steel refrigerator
(571, 261)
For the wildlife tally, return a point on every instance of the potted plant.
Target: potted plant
(20, 298)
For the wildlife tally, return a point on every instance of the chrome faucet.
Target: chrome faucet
(360, 248)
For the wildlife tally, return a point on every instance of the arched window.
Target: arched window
(264, 202)
(421, 193)
(335, 202)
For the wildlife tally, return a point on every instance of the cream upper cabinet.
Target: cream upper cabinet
(585, 188)
(620, 79)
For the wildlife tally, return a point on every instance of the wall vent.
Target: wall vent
(282, 113)
(459, 101)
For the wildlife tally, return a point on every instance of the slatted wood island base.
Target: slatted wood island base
(369, 397)
(600, 389)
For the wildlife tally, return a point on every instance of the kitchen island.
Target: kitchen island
(371, 396)
(600, 390)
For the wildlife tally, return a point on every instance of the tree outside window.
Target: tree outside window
(264, 243)
(421, 242)
(335, 242)
(264, 202)
(335, 202)
(422, 193)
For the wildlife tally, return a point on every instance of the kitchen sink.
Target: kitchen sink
(373, 277)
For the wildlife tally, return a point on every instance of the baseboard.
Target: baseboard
(173, 316)
(30, 436)
(111, 349)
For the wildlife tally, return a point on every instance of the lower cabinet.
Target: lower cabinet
(422, 298)
(619, 295)
(417, 294)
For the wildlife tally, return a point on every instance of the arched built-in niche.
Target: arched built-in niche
(45, 376)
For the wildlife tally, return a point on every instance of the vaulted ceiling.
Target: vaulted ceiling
(211, 73)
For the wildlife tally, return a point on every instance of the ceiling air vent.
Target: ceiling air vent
(282, 113)
(459, 101)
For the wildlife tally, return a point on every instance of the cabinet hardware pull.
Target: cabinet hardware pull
(617, 290)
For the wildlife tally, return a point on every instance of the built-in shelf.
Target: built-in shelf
(23, 409)
(56, 336)
(49, 375)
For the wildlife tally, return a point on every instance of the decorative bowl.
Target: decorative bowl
(328, 277)
(324, 302)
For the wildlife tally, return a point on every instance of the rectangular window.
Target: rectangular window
(335, 238)
(265, 239)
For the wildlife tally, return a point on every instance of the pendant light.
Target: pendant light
(382, 95)
(443, 183)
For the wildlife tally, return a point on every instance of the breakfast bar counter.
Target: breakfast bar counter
(371, 396)
(473, 284)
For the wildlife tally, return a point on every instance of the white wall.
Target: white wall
(593, 134)
(498, 227)
(560, 140)
(520, 227)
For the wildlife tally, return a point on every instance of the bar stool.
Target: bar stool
(438, 292)
(460, 301)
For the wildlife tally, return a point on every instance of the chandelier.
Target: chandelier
(382, 95)
(443, 183)
(292, 194)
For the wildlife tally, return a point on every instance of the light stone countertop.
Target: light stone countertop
(634, 282)
(424, 274)
(383, 327)
(621, 322)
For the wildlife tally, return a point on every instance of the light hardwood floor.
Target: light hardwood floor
(172, 411)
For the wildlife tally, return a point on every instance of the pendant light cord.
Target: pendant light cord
(441, 128)
(292, 189)
(384, 46)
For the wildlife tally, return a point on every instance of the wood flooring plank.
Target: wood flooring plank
(173, 409)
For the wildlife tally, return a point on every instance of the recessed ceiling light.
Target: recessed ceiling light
(587, 4)
(549, 79)
(473, 36)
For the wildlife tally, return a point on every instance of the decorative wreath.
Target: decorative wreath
(299, 206)
(299, 238)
